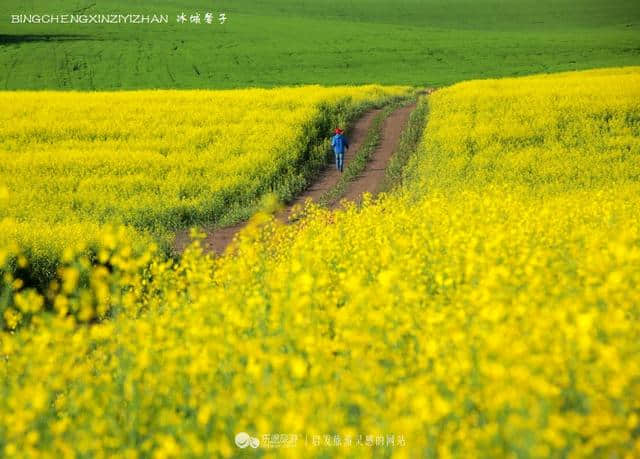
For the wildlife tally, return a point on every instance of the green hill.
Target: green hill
(284, 42)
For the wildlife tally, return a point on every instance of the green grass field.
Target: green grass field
(283, 42)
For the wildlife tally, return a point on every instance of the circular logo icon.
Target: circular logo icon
(243, 439)
(254, 442)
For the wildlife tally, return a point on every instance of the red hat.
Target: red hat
(339, 131)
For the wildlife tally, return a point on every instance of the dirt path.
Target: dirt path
(369, 181)
(330, 176)
(371, 178)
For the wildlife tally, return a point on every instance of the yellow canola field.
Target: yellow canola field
(488, 308)
(156, 160)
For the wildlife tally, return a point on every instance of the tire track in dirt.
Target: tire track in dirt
(330, 176)
(369, 180)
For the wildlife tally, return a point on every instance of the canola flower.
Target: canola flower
(157, 161)
(485, 309)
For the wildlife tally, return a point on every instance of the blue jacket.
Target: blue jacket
(339, 143)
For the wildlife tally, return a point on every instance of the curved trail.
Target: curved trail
(330, 176)
(368, 181)
(371, 178)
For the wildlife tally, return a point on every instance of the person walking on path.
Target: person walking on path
(339, 144)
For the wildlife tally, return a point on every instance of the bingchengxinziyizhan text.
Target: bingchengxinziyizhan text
(115, 18)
